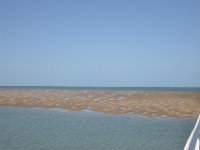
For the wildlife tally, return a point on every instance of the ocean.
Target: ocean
(57, 129)
(60, 129)
(148, 89)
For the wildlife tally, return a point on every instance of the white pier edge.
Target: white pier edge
(187, 145)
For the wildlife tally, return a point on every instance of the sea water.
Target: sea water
(147, 89)
(56, 129)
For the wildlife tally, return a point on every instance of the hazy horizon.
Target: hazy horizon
(63, 86)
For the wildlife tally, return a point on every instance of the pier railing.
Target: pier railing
(193, 142)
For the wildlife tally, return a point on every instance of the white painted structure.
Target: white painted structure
(197, 146)
(193, 142)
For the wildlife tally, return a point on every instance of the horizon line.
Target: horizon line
(100, 86)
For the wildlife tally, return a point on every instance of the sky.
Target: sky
(134, 43)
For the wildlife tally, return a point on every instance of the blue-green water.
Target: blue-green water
(41, 129)
(159, 89)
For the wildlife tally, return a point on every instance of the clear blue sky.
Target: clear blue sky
(100, 42)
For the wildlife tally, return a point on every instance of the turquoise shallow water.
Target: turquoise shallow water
(31, 129)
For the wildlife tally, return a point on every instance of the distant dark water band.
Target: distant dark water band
(148, 89)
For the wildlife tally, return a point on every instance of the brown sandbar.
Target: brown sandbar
(152, 104)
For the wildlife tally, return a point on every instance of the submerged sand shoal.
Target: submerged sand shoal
(153, 104)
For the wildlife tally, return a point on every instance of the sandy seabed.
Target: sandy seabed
(151, 104)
